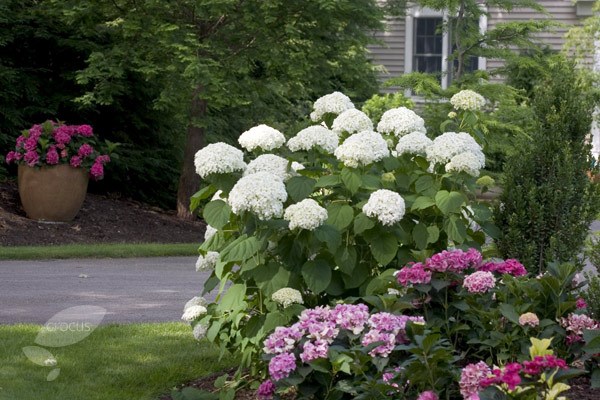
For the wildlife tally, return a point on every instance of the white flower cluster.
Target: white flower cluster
(306, 214)
(352, 121)
(467, 100)
(273, 164)
(400, 121)
(218, 158)
(194, 309)
(316, 136)
(208, 261)
(195, 301)
(362, 148)
(263, 137)
(385, 205)
(450, 144)
(335, 103)
(261, 193)
(287, 296)
(209, 232)
(465, 162)
(199, 331)
(413, 143)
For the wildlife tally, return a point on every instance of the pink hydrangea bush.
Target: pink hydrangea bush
(491, 307)
(53, 143)
(323, 333)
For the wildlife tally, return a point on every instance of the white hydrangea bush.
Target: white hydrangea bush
(299, 219)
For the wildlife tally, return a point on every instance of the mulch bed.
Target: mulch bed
(102, 219)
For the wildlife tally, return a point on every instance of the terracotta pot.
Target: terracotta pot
(52, 193)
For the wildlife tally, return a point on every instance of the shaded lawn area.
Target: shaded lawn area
(116, 362)
(101, 250)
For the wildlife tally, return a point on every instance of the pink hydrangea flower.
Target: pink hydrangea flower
(351, 317)
(283, 339)
(12, 156)
(266, 390)
(97, 170)
(453, 260)
(575, 324)
(31, 143)
(510, 266)
(282, 365)
(471, 378)
(530, 319)
(541, 363)
(314, 350)
(413, 274)
(75, 161)
(479, 282)
(319, 324)
(85, 150)
(64, 153)
(31, 158)
(103, 159)
(580, 303)
(52, 156)
(428, 395)
(62, 134)
(84, 130)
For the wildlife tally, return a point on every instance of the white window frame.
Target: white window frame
(424, 12)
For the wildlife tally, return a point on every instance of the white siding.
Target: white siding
(390, 54)
(563, 11)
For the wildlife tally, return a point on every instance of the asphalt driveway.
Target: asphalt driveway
(131, 290)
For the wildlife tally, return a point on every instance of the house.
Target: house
(415, 44)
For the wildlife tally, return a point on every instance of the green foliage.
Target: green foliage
(592, 295)
(380, 103)
(548, 201)
(506, 117)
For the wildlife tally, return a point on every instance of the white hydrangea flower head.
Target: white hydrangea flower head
(208, 261)
(287, 296)
(306, 214)
(465, 162)
(413, 143)
(401, 121)
(199, 331)
(450, 144)
(195, 301)
(385, 205)
(362, 148)
(314, 137)
(194, 312)
(335, 103)
(261, 193)
(263, 137)
(467, 100)
(218, 158)
(352, 121)
(209, 232)
(273, 164)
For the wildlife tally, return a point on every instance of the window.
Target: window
(428, 43)
(428, 46)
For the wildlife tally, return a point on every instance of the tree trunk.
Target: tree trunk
(189, 181)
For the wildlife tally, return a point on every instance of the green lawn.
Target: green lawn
(116, 362)
(120, 250)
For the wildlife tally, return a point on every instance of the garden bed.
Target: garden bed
(102, 219)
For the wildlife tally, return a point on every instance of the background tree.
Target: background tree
(548, 202)
(226, 65)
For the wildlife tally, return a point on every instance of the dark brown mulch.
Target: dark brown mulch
(102, 219)
(581, 390)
